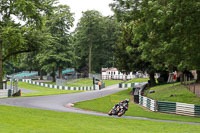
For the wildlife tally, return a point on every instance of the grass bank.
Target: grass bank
(41, 91)
(174, 93)
(104, 104)
(23, 120)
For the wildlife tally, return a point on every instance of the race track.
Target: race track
(59, 102)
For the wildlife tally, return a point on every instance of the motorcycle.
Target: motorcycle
(114, 110)
(119, 109)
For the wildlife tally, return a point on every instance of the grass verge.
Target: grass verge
(86, 82)
(137, 80)
(104, 104)
(23, 120)
(112, 82)
(180, 94)
(41, 91)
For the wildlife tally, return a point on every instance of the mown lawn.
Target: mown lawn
(180, 94)
(104, 104)
(86, 82)
(112, 82)
(41, 91)
(24, 120)
(137, 80)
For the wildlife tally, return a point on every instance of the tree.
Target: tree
(126, 10)
(12, 34)
(56, 55)
(166, 32)
(88, 33)
(172, 29)
(94, 40)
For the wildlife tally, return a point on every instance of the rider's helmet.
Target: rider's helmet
(127, 100)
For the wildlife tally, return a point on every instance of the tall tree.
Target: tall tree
(57, 54)
(12, 34)
(88, 33)
(94, 40)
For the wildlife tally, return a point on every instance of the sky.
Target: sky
(78, 6)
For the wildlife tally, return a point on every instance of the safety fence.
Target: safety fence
(10, 90)
(128, 85)
(9, 93)
(170, 107)
(3, 93)
(89, 88)
(148, 103)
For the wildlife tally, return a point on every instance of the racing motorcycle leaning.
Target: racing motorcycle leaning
(120, 108)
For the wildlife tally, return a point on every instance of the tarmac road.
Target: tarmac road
(59, 102)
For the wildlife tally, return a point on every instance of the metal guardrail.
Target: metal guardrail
(148, 103)
(170, 107)
(166, 107)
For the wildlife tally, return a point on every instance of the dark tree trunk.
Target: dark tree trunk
(41, 75)
(152, 79)
(90, 58)
(60, 73)
(53, 76)
(198, 76)
(1, 66)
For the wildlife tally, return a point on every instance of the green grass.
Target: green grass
(112, 82)
(24, 120)
(51, 83)
(180, 92)
(80, 82)
(86, 82)
(41, 90)
(137, 80)
(104, 104)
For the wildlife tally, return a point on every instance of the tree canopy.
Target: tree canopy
(14, 36)
(94, 40)
(165, 33)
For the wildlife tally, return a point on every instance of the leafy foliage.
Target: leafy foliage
(56, 54)
(164, 33)
(94, 40)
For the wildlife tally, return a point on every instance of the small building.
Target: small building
(114, 73)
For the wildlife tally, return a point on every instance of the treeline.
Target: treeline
(158, 35)
(42, 42)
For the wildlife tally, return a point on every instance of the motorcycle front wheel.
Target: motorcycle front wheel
(110, 112)
(121, 113)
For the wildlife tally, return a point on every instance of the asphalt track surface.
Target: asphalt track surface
(59, 102)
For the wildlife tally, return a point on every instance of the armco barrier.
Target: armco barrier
(166, 107)
(170, 107)
(59, 87)
(128, 85)
(148, 103)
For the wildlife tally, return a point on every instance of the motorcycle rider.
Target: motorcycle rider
(120, 108)
(124, 104)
